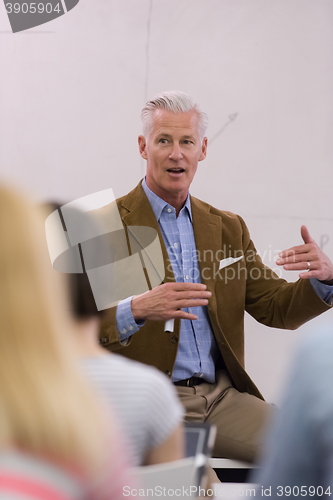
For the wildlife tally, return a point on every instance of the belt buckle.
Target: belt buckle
(189, 382)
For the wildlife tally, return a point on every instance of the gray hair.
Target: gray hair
(177, 102)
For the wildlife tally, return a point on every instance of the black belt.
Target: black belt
(190, 382)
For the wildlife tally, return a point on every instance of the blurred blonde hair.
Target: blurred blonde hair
(45, 404)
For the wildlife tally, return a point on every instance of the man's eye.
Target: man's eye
(163, 141)
(187, 141)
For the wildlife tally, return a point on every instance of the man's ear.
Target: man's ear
(203, 149)
(142, 146)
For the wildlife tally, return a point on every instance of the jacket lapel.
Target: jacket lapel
(136, 212)
(208, 238)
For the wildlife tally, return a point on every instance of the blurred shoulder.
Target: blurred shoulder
(134, 371)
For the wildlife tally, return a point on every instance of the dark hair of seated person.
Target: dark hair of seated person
(82, 302)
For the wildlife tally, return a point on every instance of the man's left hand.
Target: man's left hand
(307, 257)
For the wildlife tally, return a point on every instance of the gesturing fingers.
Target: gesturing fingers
(301, 266)
(306, 235)
(307, 258)
(298, 253)
(166, 301)
(181, 286)
(294, 254)
(297, 261)
(181, 295)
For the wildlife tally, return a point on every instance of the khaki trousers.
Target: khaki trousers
(240, 418)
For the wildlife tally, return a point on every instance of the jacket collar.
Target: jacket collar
(207, 230)
(208, 239)
(158, 204)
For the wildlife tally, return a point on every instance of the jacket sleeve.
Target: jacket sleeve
(273, 301)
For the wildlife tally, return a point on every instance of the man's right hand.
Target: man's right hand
(166, 301)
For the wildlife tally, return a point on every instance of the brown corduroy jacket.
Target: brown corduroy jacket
(245, 285)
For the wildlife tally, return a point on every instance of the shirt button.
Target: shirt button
(187, 277)
(124, 330)
(175, 245)
(169, 210)
(201, 375)
(130, 327)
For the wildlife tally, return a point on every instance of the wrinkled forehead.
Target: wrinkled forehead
(175, 124)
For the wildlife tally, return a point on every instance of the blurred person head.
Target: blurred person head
(45, 406)
(80, 302)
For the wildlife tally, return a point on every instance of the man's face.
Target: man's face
(172, 150)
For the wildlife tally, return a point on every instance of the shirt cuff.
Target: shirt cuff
(325, 292)
(126, 324)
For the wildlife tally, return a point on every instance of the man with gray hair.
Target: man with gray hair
(201, 301)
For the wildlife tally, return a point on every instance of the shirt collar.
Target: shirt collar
(158, 205)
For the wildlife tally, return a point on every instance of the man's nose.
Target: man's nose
(176, 153)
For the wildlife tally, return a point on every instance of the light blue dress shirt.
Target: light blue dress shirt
(197, 351)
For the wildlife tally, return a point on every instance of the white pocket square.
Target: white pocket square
(228, 261)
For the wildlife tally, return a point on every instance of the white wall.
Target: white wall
(71, 92)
